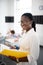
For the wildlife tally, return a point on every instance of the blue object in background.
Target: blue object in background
(17, 47)
(2, 40)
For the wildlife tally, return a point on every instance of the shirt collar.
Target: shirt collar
(31, 30)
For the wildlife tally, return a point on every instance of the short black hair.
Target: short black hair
(29, 15)
(12, 31)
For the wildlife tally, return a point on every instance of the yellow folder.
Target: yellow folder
(15, 53)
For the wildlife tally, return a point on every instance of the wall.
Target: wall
(10, 9)
(35, 7)
(3, 13)
(13, 8)
(36, 11)
(6, 9)
(40, 33)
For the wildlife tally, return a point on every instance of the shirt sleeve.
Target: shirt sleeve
(34, 49)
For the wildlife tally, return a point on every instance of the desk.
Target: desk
(12, 42)
(2, 46)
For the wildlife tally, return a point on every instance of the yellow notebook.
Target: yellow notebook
(15, 53)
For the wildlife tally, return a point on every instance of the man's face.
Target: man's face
(25, 23)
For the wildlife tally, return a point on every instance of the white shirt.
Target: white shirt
(30, 42)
